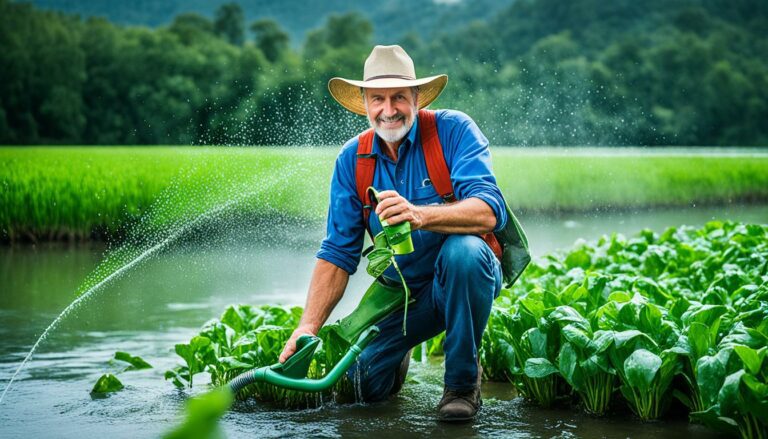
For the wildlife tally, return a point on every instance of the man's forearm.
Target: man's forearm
(471, 216)
(325, 290)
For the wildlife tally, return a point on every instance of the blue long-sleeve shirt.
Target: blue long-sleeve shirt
(466, 153)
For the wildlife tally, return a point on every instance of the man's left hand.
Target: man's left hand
(395, 209)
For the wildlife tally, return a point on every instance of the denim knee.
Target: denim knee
(466, 254)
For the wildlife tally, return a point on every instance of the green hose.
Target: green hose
(276, 375)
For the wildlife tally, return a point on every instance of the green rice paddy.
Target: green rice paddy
(80, 192)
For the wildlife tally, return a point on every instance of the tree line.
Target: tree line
(543, 72)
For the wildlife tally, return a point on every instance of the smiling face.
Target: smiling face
(391, 111)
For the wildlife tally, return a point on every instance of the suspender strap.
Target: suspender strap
(433, 155)
(438, 169)
(366, 165)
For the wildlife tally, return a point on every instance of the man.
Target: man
(453, 274)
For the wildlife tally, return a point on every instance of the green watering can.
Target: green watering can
(358, 329)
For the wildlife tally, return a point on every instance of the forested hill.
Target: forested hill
(539, 72)
(393, 18)
(691, 72)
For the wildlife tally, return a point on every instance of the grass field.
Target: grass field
(77, 192)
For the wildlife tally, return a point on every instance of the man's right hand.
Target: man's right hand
(290, 345)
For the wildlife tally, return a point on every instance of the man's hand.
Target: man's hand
(395, 209)
(290, 345)
(471, 216)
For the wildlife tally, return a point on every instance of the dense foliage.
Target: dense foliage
(682, 314)
(691, 72)
(247, 337)
(637, 321)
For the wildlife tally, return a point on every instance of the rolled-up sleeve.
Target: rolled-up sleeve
(469, 159)
(344, 230)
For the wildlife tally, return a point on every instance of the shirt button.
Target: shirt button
(402, 181)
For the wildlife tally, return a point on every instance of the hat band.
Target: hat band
(410, 78)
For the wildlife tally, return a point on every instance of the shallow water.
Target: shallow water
(165, 301)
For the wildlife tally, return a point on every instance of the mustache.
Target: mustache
(395, 118)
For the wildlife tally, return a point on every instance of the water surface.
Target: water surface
(166, 299)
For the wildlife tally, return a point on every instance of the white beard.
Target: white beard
(392, 135)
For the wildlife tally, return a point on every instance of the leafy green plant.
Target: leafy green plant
(535, 343)
(742, 399)
(107, 383)
(582, 360)
(245, 338)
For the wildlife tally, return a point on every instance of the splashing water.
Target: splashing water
(106, 272)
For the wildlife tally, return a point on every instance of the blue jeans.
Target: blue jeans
(458, 300)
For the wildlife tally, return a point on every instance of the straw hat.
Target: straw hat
(386, 67)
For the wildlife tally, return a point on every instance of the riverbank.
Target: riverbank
(78, 193)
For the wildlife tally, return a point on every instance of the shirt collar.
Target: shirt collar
(410, 139)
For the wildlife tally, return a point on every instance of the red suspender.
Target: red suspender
(438, 171)
(366, 164)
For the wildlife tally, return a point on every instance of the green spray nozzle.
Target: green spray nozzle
(398, 235)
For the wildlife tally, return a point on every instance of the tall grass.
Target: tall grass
(81, 192)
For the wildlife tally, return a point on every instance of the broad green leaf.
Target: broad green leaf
(578, 258)
(539, 368)
(710, 374)
(566, 314)
(741, 335)
(728, 397)
(650, 318)
(602, 340)
(538, 342)
(698, 339)
(619, 296)
(641, 368)
(136, 363)
(590, 366)
(706, 314)
(107, 383)
(234, 318)
(534, 306)
(567, 362)
(573, 293)
(623, 338)
(749, 357)
(678, 308)
(576, 336)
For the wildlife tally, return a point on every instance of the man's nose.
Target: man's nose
(389, 108)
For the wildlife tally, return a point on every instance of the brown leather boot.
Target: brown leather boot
(461, 405)
(401, 372)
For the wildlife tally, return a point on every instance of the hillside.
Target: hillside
(393, 19)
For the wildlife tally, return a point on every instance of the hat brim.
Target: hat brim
(347, 91)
